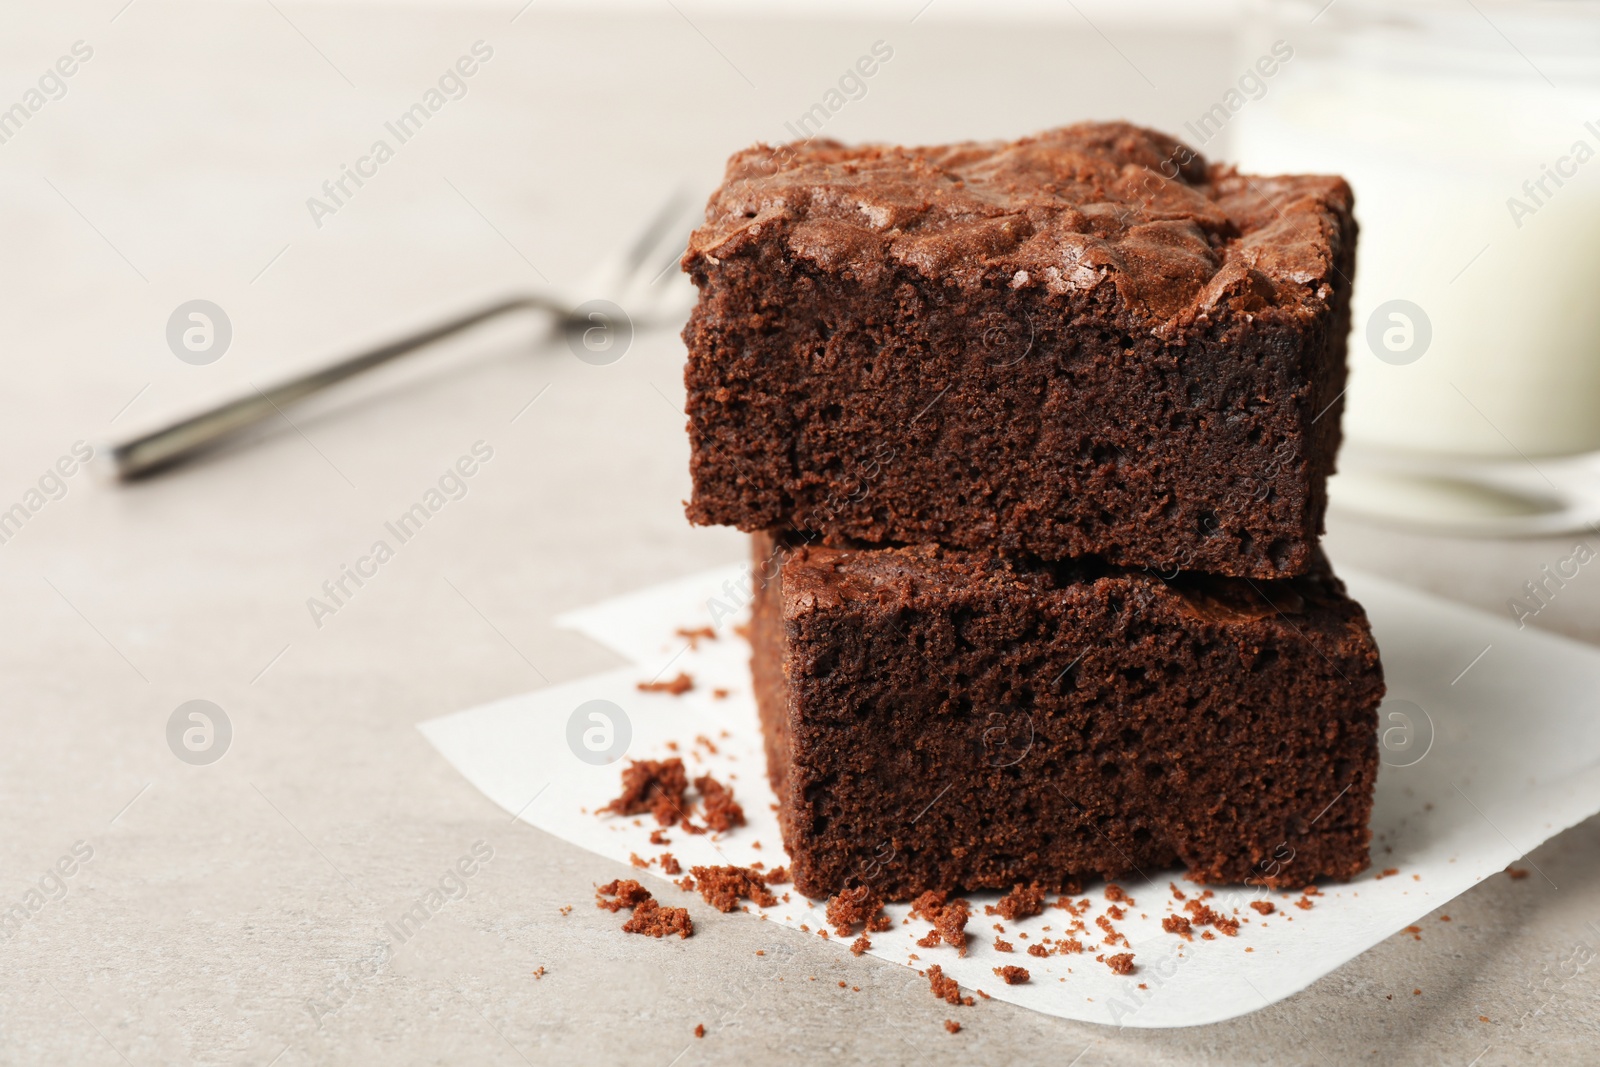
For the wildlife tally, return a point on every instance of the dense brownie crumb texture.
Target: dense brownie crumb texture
(1090, 342)
(700, 822)
(939, 720)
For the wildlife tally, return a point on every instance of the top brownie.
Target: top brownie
(1086, 343)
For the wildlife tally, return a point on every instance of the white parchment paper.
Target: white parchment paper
(1492, 745)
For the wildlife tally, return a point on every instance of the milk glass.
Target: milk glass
(1471, 136)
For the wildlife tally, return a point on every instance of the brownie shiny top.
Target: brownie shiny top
(1067, 211)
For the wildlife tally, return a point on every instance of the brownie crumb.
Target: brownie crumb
(648, 917)
(1304, 904)
(1068, 944)
(659, 837)
(1387, 872)
(724, 887)
(1038, 950)
(949, 934)
(1002, 946)
(1177, 924)
(851, 906)
(677, 686)
(718, 808)
(1205, 916)
(1516, 873)
(1071, 907)
(952, 1026)
(949, 919)
(539, 972)
(719, 694)
(1415, 932)
(1112, 936)
(1121, 963)
(1021, 903)
(695, 635)
(627, 894)
(669, 863)
(633, 858)
(700, 1030)
(1177, 894)
(566, 909)
(1265, 907)
(860, 945)
(654, 786)
(946, 989)
(653, 920)
(1012, 975)
(1118, 895)
(927, 906)
(776, 876)
(952, 925)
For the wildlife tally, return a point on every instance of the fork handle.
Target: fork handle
(179, 441)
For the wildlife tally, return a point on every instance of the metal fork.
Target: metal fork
(635, 281)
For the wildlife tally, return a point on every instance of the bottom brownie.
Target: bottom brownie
(949, 720)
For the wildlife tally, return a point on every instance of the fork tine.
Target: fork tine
(662, 224)
(663, 259)
(618, 276)
(647, 290)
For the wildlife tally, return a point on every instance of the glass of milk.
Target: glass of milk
(1471, 136)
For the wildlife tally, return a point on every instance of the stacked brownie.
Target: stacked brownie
(1033, 439)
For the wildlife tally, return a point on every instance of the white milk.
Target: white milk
(1438, 125)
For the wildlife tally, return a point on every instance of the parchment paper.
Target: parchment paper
(1491, 746)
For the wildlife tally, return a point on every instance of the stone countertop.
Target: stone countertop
(232, 912)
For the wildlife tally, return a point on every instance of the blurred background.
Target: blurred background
(159, 153)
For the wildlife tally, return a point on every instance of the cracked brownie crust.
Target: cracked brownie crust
(1085, 343)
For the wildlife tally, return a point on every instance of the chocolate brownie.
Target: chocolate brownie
(952, 720)
(1086, 343)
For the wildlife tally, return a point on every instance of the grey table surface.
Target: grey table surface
(229, 913)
